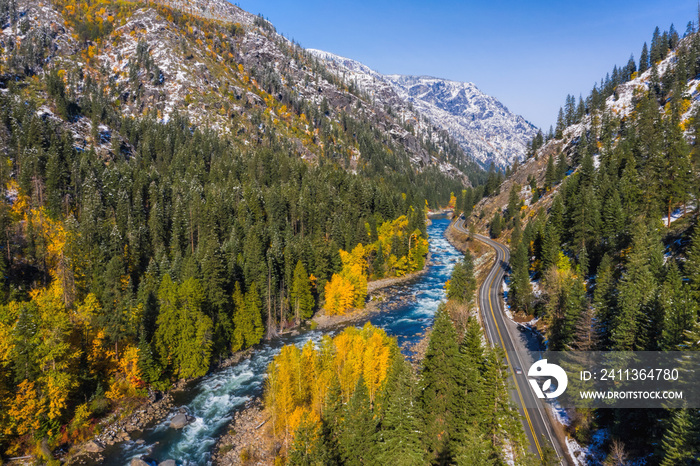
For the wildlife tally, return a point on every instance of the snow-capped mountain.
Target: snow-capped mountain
(481, 124)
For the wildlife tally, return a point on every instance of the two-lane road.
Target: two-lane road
(503, 332)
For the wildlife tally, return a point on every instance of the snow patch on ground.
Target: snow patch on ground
(509, 456)
(679, 213)
(536, 288)
(578, 453)
(560, 414)
(593, 454)
(532, 324)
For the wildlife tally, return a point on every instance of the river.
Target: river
(406, 313)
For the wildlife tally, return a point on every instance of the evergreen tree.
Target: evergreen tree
(586, 336)
(630, 191)
(500, 414)
(462, 282)
(570, 110)
(520, 285)
(576, 306)
(562, 167)
(679, 309)
(213, 274)
(357, 436)
(331, 424)
(247, 318)
(184, 332)
(400, 426)
(613, 220)
(673, 38)
(493, 182)
(517, 233)
(561, 125)
(467, 201)
(676, 165)
(630, 69)
(148, 365)
(302, 299)
(603, 298)
(550, 246)
(637, 290)
(644, 59)
(550, 175)
(665, 44)
(583, 215)
(475, 449)
(471, 347)
(583, 262)
(513, 202)
(439, 389)
(254, 313)
(469, 405)
(656, 52)
(679, 446)
(379, 264)
(581, 108)
(495, 226)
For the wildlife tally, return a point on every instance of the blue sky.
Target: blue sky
(528, 54)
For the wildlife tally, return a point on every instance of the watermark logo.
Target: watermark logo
(542, 369)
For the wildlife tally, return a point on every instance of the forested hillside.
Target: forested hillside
(602, 222)
(177, 185)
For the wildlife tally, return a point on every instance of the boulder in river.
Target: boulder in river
(138, 462)
(93, 446)
(168, 463)
(180, 420)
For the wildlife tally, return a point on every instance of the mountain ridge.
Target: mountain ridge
(224, 68)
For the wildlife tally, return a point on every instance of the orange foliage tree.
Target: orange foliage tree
(349, 287)
(298, 379)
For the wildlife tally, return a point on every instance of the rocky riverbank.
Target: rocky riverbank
(120, 430)
(248, 440)
(457, 238)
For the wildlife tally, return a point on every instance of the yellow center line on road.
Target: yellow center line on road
(517, 387)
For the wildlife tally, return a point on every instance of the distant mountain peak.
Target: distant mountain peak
(480, 123)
